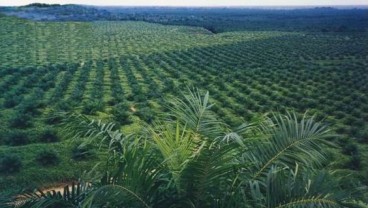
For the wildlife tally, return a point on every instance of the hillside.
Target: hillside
(216, 20)
(124, 71)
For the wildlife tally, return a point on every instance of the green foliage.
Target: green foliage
(212, 20)
(10, 164)
(131, 69)
(145, 114)
(47, 158)
(41, 5)
(17, 138)
(91, 107)
(330, 67)
(197, 161)
(291, 141)
(49, 135)
(120, 113)
(82, 152)
(71, 196)
(11, 101)
(33, 174)
(351, 149)
(20, 120)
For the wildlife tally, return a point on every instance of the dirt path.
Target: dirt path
(59, 187)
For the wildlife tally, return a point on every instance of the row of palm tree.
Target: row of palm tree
(189, 158)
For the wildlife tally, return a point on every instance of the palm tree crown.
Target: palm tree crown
(189, 158)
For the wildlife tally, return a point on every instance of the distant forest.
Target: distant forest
(216, 20)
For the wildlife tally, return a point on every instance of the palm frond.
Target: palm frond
(284, 187)
(288, 140)
(239, 134)
(79, 126)
(114, 196)
(213, 170)
(311, 202)
(191, 159)
(71, 196)
(194, 111)
(355, 204)
(177, 145)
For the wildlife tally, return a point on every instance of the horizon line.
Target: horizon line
(153, 5)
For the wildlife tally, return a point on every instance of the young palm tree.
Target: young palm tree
(189, 158)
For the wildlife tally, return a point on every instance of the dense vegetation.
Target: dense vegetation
(191, 159)
(125, 71)
(216, 20)
(320, 19)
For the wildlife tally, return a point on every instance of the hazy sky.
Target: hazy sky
(193, 2)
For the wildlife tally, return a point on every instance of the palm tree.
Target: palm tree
(71, 196)
(189, 158)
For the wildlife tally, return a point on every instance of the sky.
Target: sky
(191, 2)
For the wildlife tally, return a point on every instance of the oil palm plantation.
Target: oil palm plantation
(189, 158)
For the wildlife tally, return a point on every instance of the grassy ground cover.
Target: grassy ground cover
(124, 71)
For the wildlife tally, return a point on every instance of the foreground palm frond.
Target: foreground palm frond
(71, 196)
(79, 126)
(114, 196)
(288, 140)
(177, 146)
(194, 111)
(196, 150)
(285, 187)
(191, 159)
